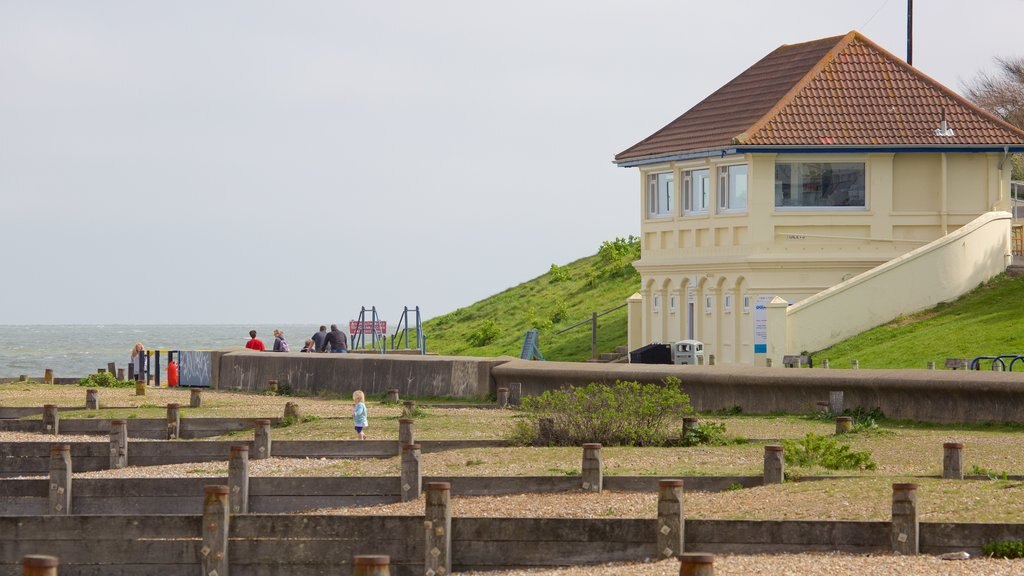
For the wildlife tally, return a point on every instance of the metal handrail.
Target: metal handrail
(596, 314)
(593, 327)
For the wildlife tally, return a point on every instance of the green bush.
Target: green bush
(484, 335)
(617, 256)
(705, 434)
(558, 274)
(1004, 549)
(625, 413)
(825, 451)
(104, 380)
(560, 313)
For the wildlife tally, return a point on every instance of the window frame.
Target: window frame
(724, 195)
(795, 162)
(654, 208)
(686, 206)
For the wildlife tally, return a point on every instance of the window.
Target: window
(727, 305)
(709, 304)
(672, 304)
(656, 305)
(732, 188)
(696, 191)
(746, 304)
(661, 193)
(833, 185)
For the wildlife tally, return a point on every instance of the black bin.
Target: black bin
(652, 354)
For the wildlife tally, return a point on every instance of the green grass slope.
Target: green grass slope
(561, 297)
(988, 321)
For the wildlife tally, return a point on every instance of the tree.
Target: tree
(1002, 94)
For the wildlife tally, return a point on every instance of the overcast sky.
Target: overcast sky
(282, 162)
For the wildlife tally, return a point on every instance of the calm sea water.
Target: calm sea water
(74, 351)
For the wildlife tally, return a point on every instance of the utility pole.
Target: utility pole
(910, 32)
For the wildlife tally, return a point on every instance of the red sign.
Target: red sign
(367, 327)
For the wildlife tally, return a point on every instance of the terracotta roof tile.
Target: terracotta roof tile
(843, 91)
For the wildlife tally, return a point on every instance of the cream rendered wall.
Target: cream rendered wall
(911, 199)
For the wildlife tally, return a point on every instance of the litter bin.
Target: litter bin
(652, 354)
(688, 352)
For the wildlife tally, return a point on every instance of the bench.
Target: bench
(796, 361)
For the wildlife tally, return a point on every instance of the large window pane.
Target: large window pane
(698, 190)
(733, 183)
(819, 184)
(661, 194)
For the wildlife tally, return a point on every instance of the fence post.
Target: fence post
(593, 336)
(118, 444)
(140, 387)
(393, 397)
(767, 362)
(92, 399)
(112, 368)
(671, 520)
(120, 374)
(408, 409)
(438, 528)
(406, 434)
(60, 479)
(48, 376)
(173, 421)
(824, 363)
(262, 440)
(844, 424)
(904, 519)
(953, 461)
(39, 565)
(371, 566)
(774, 465)
(931, 365)
(291, 410)
(835, 403)
(238, 479)
(195, 398)
(216, 518)
(502, 397)
(515, 393)
(412, 476)
(696, 564)
(689, 423)
(855, 364)
(272, 385)
(51, 420)
(711, 359)
(593, 467)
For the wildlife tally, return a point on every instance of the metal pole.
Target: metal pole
(593, 336)
(910, 32)
(157, 377)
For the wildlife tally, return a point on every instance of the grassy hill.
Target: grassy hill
(988, 321)
(558, 299)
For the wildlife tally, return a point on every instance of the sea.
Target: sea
(74, 351)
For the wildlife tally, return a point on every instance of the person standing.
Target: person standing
(359, 413)
(280, 344)
(336, 340)
(319, 338)
(254, 343)
(138, 362)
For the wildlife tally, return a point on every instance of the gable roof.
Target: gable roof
(839, 91)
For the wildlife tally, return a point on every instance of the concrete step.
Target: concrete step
(1015, 270)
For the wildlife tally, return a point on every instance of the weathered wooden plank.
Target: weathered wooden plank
(529, 530)
(111, 570)
(23, 488)
(325, 526)
(300, 551)
(86, 529)
(335, 485)
(123, 551)
(780, 533)
(481, 485)
(490, 555)
(940, 537)
(150, 505)
(285, 504)
(24, 506)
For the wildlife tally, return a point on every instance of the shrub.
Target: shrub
(705, 434)
(484, 335)
(558, 274)
(625, 413)
(1004, 549)
(825, 451)
(104, 380)
(561, 312)
(617, 256)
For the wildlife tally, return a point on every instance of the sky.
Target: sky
(249, 161)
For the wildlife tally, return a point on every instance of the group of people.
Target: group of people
(321, 341)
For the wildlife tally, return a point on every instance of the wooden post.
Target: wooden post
(92, 399)
(393, 397)
(238, 479)
(406, 433)
(412, 475)
(39, 565)
(824, 363)
(60, 479)
(120, 374)
(51, 420)
(140, 388)
(173, 421)
(696, 564)
(23, 378)
(438, 528)
(904, 519)
(593, 467)
(953, 461)
(112, 368)
(515, 393)
(855, 364)
(835, 403)
(502, 397)
(408, 409)
(48, 376)
(774, 465)
(844, 424)
(195, 398)
(711, 359)
(291, 411)
(262, 440)
(371, 566)
(118, 444)
(273, 386)
(931, 365)
(767, 362)
(671, 520)
(213, 556)
(689, 423)
(101, 370)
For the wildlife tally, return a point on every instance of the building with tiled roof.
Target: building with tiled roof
(821, 162)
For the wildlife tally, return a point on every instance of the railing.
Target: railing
(997, 360)
(593, 328)
(403, 327)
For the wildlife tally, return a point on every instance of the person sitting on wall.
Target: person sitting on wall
(319, 338)
(280, 344)
(309, 346)
(254, 343)
(336, 340)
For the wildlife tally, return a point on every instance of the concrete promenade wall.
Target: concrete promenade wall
(345, 373)
(926, 395)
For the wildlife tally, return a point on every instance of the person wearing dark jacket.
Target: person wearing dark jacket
(319, 338)
(336, 340)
